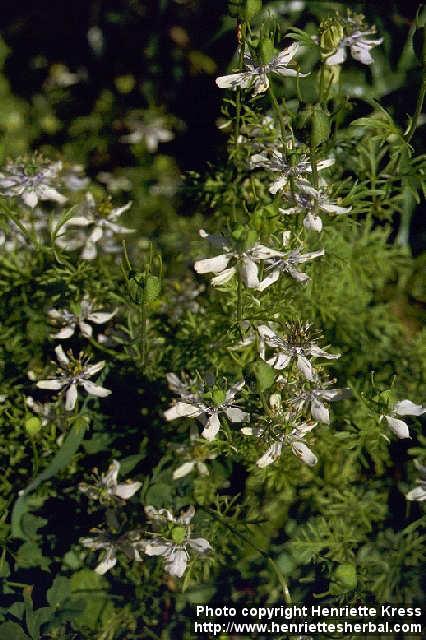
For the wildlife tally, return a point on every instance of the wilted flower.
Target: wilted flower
(310, 201)
(205, 408)
(45, 410)
(149, 131)
(273, 160)
(70, 320)
(288, 264)
(130, 543)
(72, 373)
(403, 408)
(256, 76)
(195, 455)
(419, 492)
(313, 399)
(174, 544)
(31, 180)
(297, 345)
(107, 490)
(95, 225)
(246, 261)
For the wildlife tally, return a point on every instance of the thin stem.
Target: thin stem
(239, 298)
(421, 95)
(283, 582)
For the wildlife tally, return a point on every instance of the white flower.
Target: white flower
(31, 181)
(106, 487)
(313, 399)
(359, 45)
(175, 549)
(193, 405)
(246, 261)
(70, 320)
(256, 77)
(403, 408)
(288, 265)
(277, 439)
(151, 132)
(73, 373)
(310, 202)
(419, 492)
(95, 225)
(296, 346)
(196, 454)
(273, 160)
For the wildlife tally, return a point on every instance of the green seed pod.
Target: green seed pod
(33, 426)
(320, 126)
(178, 534)
(346, 576)
(331, 34)
(251, 238)
(267, 50)
(152, 288)
(218, 396)
(265, 375)
(252, 8)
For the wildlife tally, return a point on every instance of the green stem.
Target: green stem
(36, 464)
(283, 582)
(321, 84)
(237, 130)
(421, 95)
(239, 299)
(315, 180)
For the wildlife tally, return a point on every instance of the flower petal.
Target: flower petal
(399, 427)
(235, 414)
(182, 410)
(408, 408)
(319, 411)
(95, 390)
(302, 451)
(212, 427)
(127, 489)
(183, 470)
(213, 265)
(53, 385)
(71, 397)
(270, 456)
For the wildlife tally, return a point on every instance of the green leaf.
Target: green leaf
(59, 462)
(12, 631)
(59, 591)
(30, 555)
(89, 584)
